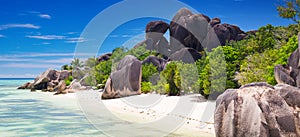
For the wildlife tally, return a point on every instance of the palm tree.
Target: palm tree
(76, 63)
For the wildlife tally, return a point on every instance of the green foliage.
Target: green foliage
(69, 80)
(140, 52)
(172, 76)
(102, 71)
(212, 71)
(76, 63)
(90, 80)
(260, 66)
(146, 87)
(90, 62)
(290, 10)
(189, 77)
(148, 70)
(66, 67)
(249, 60)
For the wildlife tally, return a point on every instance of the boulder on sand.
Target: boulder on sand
(125, 81)
(255, 110)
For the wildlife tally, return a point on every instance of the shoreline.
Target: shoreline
(122, 109)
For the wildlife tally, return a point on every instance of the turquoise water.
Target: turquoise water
(23, 113)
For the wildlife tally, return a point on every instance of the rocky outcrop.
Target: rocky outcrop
(187, 55)
(227, 32)
(256, 110)
(290, 74)
(157, 62)
(41, 82)
(215, 21)
(282, 75)
(125, 81)
(188, 30)
(155, 39)
(49, 81)
(104, 57)
(27, 85)
(156, 29)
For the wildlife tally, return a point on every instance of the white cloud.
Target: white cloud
(29, 26)
(61, 60)
(18, 75)
(46, 37)
(35, 60)
(28, 55)
(29, 65)
(70, 33)
(75, 40)
(46, 43)
(44, 16)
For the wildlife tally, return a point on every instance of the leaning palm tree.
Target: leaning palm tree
(77, 63)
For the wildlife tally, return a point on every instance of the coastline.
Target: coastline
(127, 112)
(192, 126)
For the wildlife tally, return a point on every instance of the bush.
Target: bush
(148, 70)
(172, 76)
(146, 87)
(260, 66)
(69, 80)
(102, 71)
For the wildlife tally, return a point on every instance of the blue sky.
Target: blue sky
(37, 35)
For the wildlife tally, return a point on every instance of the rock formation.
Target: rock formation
(49, 81)
(104, 57)
(290, 74)
(187, 55)
(188, 30)
(126, 80)
(257, 110)
(157, 62)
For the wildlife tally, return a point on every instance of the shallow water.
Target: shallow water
(23, 113)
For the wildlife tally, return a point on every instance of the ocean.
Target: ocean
(25, 113)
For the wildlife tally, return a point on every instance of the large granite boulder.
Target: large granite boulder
(255, 110)
(125, 81)
(50, 81)
(227, 32)
(156, 29)
(293, 62)
(188, 30)
(282, 75)
(104, 57)
(156, 61)
(290, 74)
(41, 82)
(155, 39)
(291, 95)
(186, 55)
(215, 21)
(62, 86)
(64, 74)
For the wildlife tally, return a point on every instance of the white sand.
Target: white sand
(123, 109)
(129, 109)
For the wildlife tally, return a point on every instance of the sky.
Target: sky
(39, 34)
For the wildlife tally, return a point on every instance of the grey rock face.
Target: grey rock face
(256, 110)
(125, 81)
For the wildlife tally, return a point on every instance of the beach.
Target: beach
(25, 113)
(192, 126)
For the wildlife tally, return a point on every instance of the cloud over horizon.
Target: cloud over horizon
(44, 16)
(29, 26)
(46, 37)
